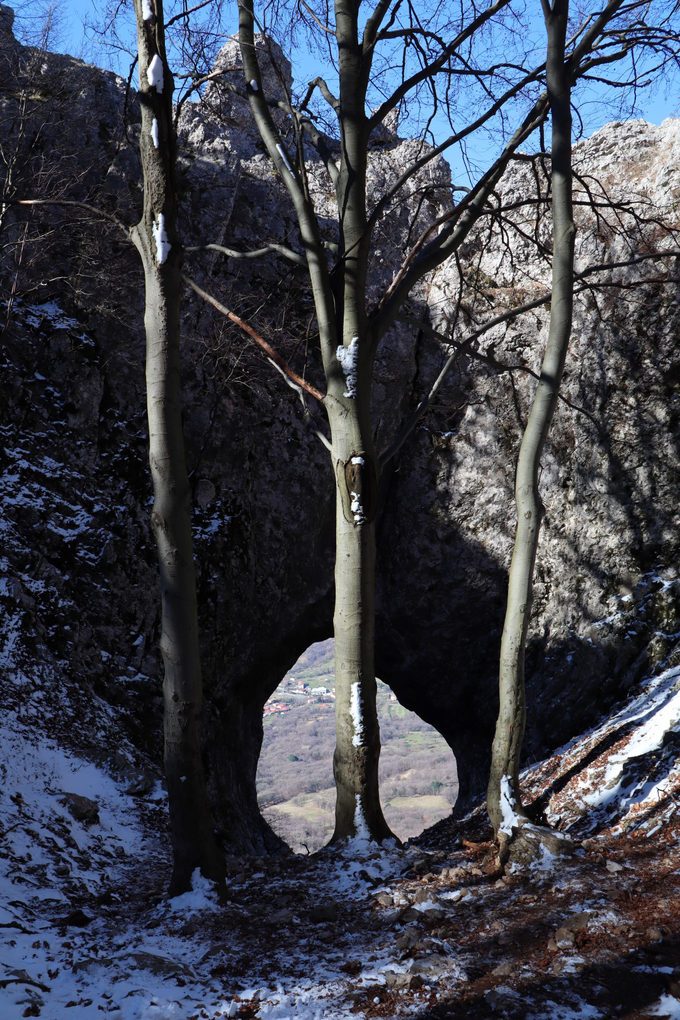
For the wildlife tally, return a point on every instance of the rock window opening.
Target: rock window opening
(418, 779)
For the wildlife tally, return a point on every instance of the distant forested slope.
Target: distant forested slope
(295, 777)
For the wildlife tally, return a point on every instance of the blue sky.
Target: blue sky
(654, 104)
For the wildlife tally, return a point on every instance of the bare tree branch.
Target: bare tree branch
(280, 249)
(461, 348)
(460, 136)
(373, 24)
(435, 66)
(100, 213)
(272, 355)
(465, 347)
(324, 28)
(185, 13)
(428, 254)
(301, 393)
(304, 209)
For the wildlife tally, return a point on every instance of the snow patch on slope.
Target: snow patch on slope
(624, 784)
(50, 863)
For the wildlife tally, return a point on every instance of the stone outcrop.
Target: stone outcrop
(606, 599)
(80, 606)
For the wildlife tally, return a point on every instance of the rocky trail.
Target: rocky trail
(431, 930)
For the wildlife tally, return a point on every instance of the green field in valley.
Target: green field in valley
(418, 778)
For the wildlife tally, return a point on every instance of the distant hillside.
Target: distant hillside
(316, 660)
(418, 777)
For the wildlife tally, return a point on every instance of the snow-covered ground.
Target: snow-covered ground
(428, 931)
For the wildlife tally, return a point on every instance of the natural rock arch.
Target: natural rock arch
(263, 514)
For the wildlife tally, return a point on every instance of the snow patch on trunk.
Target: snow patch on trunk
(357, 716)
(154, 133)
(154, 73)
(348, 358)
(510, 818)
(147, 13)
(356, 507)
(362, 831)
(160, 236)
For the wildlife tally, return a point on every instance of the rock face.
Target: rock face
(606, 599)
(81, 596)
(80, 606)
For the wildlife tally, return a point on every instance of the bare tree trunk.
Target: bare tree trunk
(193, 840)
(355, 464)
(348, 353)
(503, 796)
(349, 331)
(355, 763)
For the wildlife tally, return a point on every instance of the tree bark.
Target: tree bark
(343, 321)
(341, 316)
(193, 841)
(358, 812)
(232, 744)
(503, 795)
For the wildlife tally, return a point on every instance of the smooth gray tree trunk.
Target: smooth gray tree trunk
(155, 237)
(355, 762)
(341, 315)
(503, 795)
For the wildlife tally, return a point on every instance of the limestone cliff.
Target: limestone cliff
(80, 606)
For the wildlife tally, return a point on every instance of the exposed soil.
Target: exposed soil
(431, 930)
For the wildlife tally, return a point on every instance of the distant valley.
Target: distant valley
(418, 779)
